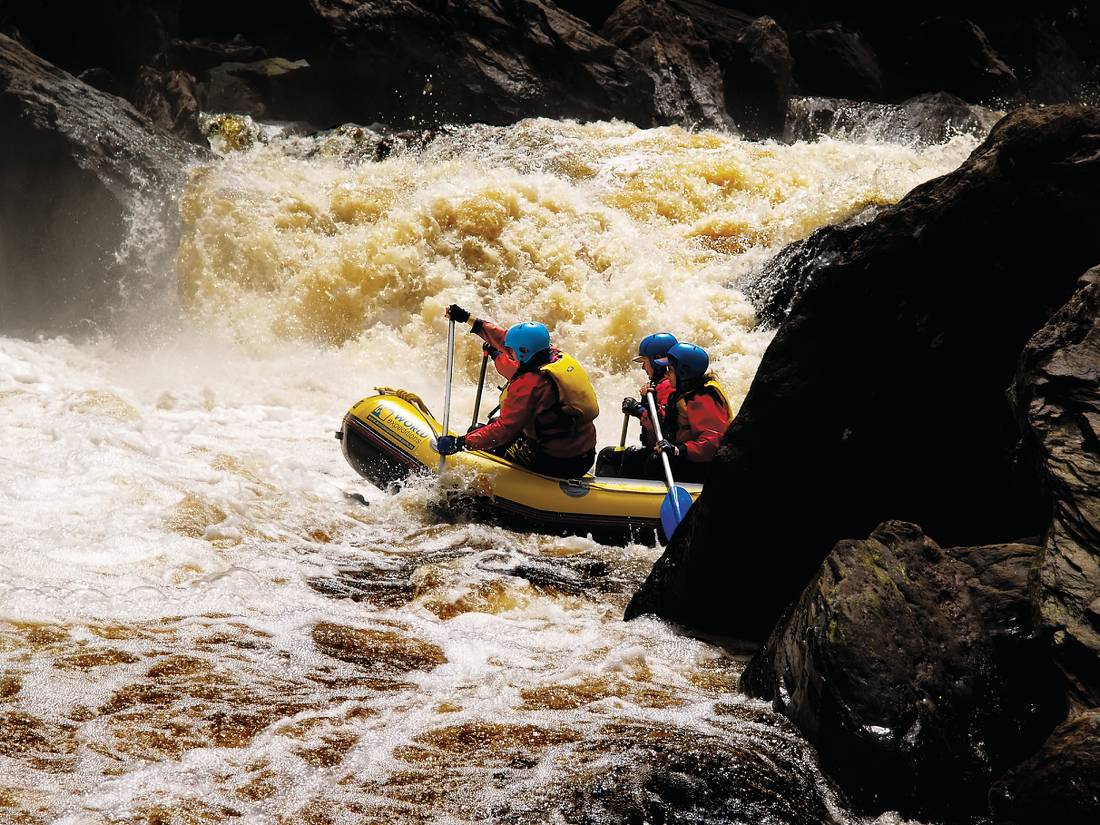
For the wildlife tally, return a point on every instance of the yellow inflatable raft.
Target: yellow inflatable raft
(388, 437)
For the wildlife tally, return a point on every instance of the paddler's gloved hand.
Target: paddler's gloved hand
(666, 446)
(457, 314)
(449, 444)
(490, 350)
(632, 406)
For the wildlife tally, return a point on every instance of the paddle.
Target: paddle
(447, 395)
(480, 387)
(677, 500)
(626, 424)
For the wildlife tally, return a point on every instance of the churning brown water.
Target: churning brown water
(198, 625)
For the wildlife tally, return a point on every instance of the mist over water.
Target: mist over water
(199, 624)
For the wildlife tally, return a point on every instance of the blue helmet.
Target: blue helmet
(527, 340)
(656, 346)
(687, 361)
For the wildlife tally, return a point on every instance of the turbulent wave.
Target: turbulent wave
(603, 231)
(199, 625)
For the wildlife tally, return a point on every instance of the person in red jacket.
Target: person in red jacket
(629, 462)
(546, 409)
(696, 416)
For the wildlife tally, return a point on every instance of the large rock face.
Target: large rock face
(687, 82)
(86, 211)
(1060, 783)
(883, 392)
(914, 670)
(1057, 395)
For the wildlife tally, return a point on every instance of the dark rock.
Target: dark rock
(118, 35)
(1060, 783)
(171, 100)
(687, 82)
(719, 25)
(416, 62)
(102, 79)
(1057, 398)
(593, 12)
(955, 55)
(667, 774)
(882, 394)
(925, 119)
(914, 670)
(203, 53)
(272, 88)
(758, 74)
(86, 211)
(835, 61)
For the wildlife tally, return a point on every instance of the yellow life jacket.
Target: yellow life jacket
(576, 395)
(575, 391)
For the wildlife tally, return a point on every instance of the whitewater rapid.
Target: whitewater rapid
(200, 624)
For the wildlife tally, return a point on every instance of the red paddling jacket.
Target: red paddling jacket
(697, 418)
(549, 400)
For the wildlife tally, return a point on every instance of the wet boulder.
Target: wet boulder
(1057, 399)
(172, 100)
(759, 80)
(687, 82)
(87, 211)
(915, 671)
(882, 394)
(1060, 783)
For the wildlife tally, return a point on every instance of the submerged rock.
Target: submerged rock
(925, 119)
(87, 210)
(914, 670)
(1060, 783)
(1057, 397)
(883, 393)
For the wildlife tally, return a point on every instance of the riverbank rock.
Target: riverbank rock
(882, 394)
(1060, 783)
(1057, 399)
(87, 210)
(687, 82)
(914, 670)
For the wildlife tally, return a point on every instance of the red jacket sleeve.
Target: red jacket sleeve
(707, 423)
(494, 337)
(519, 407)
(661, 393)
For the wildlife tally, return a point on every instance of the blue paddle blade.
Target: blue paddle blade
(669, 520)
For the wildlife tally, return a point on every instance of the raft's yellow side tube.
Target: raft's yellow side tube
(404, 435)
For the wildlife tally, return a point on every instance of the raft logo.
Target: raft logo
(398, 425)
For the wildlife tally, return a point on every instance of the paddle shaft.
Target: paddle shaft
(447, 394)
(480, 387)
(626, 424)
(664, 458)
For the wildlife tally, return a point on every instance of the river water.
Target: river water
(198, 624)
